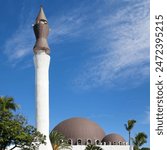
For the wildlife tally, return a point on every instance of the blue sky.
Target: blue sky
(99, 60)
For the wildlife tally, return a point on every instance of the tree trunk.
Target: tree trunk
(55, 147)
(129, 139)
(13, 147)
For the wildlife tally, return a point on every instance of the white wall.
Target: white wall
(105, 147)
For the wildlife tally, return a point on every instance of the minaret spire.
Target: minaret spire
(41, 15)
(42, 62)
(41, 30)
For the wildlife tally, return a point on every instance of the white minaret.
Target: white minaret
(42, 61)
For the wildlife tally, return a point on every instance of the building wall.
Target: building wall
(105, 147)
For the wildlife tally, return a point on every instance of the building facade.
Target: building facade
(81, 132)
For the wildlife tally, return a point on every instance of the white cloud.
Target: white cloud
(124, 40)
(120, 37)
(146, 119)
(20, 43)
(17, 49)
(65, 27)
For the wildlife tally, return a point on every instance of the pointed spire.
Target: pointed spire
(41, 30)
(41, 15)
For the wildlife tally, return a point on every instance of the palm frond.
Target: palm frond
(57, 139)
(139, 140)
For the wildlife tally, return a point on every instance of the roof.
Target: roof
(80, 129)
(113, 137)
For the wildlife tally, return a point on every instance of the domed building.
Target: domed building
(80, 132)
(114, 139)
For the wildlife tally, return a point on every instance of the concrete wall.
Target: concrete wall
(105, 147)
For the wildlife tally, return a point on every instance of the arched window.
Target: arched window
(114, 143)
(70, 141)
(97, 142)
(79, 142)
(109, 143)
(119, 143)
(89, 141)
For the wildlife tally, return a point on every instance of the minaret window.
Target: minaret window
(43, 21)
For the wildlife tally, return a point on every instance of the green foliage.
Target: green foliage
(139, 140)
(129, 126)
(145, 148)
(14, 130)
(59, 141)
(7, 104)
(93, 147)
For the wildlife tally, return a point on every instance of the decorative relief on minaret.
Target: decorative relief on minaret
(41, 30)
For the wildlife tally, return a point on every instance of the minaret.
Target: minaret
(42, 61)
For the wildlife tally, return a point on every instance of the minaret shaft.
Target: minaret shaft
(41, 62)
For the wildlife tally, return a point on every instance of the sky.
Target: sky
(99, 60)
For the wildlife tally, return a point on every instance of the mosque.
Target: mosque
(81, 132)
(78, 131)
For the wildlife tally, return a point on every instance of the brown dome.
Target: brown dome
(80, 129)
(113, 139)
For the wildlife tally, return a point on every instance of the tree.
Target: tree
(129, 126)
(7, 104)
(145, 148)
(15, 131)
(59, 141)
(93, 147)
(139, 140)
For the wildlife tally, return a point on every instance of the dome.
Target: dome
(114, 139)
(80, 130)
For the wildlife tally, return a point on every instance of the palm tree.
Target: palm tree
(145, 148)
(7, 104)
(93, 147)
(129, 126)
(58, 141)
(139, 140)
